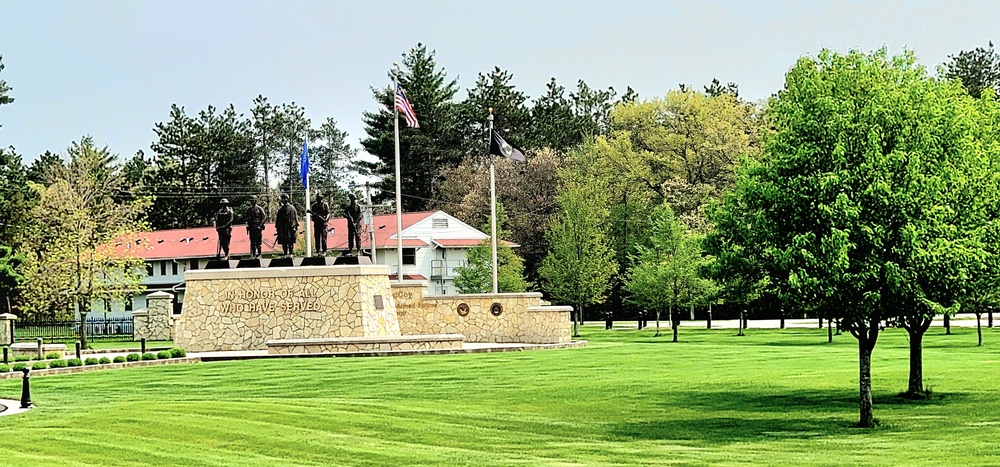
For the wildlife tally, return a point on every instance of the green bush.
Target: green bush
(20, 366)
(104, 360)
(148, 356)
(90, 361)
(53, 356)
(132, 357)
(75, 362)
(22, 358)
(119, 359)
(4, 368)
(162, 355)
(177, 352)
(57, 363)
(39, 365)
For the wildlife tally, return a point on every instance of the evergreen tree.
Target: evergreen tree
(976, 69)
(424, 151)
(511, 116)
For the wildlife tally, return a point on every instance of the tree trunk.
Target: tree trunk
(979, 328)
(692, 312)
(915, 387)
(867, 418)
(83, 329)
(673, 324)
(782, 326)
(829, 331)
(947, 325)
(821, 322)
(709, 316)
(576, 327)
(657, 322)
(916, 382)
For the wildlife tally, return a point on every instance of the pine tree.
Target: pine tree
(424, 151)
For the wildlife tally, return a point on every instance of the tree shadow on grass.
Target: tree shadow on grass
(734, 417)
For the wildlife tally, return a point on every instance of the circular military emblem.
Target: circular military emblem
(463, 309)
(496, 308)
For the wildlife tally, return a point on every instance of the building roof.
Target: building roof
(202, 242)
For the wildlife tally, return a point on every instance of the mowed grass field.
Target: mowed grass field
(773, 397)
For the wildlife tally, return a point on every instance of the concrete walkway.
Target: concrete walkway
(11, 407)
(959, 320)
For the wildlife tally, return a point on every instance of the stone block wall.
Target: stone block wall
(242, 309)
(364, 344)
(522, 317)
(153, 323)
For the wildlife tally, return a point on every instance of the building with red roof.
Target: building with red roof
(434, 244)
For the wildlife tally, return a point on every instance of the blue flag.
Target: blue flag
(304, 163)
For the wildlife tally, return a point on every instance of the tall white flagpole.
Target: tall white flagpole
(309, 248)
(493, 201)
(399, 214)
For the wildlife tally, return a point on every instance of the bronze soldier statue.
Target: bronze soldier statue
(255, 226)
(320, 212)
(286, 224)
(224, 226)
(353, 214)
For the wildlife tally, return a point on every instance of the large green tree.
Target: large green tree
(668, 273)
(424, 151)
(477, 275)
(580, 266)
(977, 69)
(853, 202)
(197, 161)
(83, 242)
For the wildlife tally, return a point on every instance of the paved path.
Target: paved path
(959, 320)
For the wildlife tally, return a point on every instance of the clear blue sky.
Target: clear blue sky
(111, 69)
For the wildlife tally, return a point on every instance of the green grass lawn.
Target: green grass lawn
(770, 398)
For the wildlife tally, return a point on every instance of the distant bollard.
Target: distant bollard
(6, 355)
(25, 390)
(142, 345)
(77, 350)
(41, 349)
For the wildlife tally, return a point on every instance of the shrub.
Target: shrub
(90, 361)
(119, 359)
(148, 356)
(20, 366)
(162, 355)
(132, 357)
(53, 356)
(39, 365)
(4, 368)
(75, 362)
(177, 352)
(22, 358)
(104, 360)
(57, 363)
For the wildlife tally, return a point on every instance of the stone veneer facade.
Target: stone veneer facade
(242, 309)
(7, 328)
(523, 318)
(153, 323)
(364, 344)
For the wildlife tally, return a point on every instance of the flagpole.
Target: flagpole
(493, 201)
(399, 214)
(309, 248)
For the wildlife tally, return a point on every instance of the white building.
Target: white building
(434, 244)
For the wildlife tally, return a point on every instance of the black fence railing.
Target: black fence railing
(98, 330)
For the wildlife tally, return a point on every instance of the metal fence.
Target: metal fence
(98, 330)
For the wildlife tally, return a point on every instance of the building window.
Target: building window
(163, 268)
(173, 267)
(439, 223)
(128, 303)
(409, 256)
(194, 265)
(149, 269)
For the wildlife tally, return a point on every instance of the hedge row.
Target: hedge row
(23, 360)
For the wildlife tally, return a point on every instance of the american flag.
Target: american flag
(403, 105)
